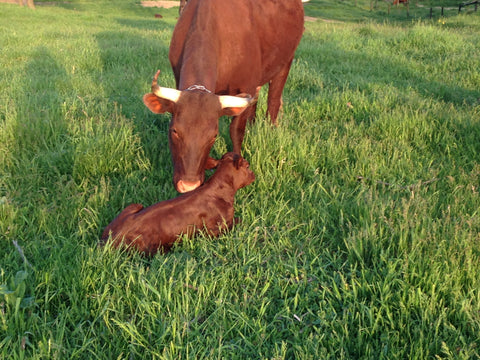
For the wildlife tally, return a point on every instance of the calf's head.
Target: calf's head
(239, 169)
(193, 127)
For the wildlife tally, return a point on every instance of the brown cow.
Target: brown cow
(220, 50)
(210, 208)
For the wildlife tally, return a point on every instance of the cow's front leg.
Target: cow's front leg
(237, 127)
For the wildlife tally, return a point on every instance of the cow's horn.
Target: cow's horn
(164, 93)
(234, 101)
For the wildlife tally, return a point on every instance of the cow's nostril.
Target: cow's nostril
(186, 186)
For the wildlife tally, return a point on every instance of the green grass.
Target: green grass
(360, 238)
(383, 10)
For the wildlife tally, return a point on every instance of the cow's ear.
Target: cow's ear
(211, 163)
(158, 105)
(233, 111)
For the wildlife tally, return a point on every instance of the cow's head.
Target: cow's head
(193, 128)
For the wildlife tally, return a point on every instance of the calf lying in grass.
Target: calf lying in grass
(209, 208)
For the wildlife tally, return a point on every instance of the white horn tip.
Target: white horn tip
(234, 101)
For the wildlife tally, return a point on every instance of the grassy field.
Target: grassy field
(360, 238)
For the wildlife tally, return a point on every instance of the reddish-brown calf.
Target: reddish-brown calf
(208, 208)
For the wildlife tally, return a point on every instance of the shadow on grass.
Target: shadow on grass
(144, 24)
(362, 67)
(149, 19)
(40, 125)
(128, 63)
(379, 77)
(41, 159)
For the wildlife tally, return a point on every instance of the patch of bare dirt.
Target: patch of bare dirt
(162, 4)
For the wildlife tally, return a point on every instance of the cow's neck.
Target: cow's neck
(199, 59)
(198, 68)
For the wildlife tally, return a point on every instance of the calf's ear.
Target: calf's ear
(237, 161)
(158, 105)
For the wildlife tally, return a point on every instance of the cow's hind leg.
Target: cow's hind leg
(275, 90)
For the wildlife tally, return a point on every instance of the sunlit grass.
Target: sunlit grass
(359, 237)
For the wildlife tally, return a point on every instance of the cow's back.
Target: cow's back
(234, 46)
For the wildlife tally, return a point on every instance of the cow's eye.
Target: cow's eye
(174, 132)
